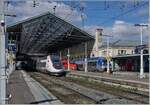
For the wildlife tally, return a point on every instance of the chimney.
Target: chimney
(98, 41)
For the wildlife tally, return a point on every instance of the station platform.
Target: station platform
(125, 79)
(25, 90)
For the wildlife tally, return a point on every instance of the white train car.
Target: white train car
(51, 64)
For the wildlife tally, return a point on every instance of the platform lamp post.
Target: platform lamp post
(60, 54)
(142, 75)
(108, 59)
(68, 55)
(2, 56)
(86, 64)
(108, 56)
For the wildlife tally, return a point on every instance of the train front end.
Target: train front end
(55, 67)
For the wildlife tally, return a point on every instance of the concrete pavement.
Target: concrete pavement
(25, 90)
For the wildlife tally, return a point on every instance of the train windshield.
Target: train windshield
(57, 63)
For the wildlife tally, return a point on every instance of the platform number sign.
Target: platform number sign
(12, 48)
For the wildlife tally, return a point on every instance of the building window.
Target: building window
(122, 51)
(93, 55)
(132, 52)
(119, 52)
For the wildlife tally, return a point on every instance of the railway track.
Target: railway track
(65, 95)
(128, 93)
(73, 91)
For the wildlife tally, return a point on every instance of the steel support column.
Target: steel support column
(108, 59)
(142, 75)
(2, 56)
(68, 59)
(86, 64)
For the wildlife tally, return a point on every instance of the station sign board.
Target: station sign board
(12, 47)
(100, 61)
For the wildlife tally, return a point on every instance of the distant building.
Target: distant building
(98, 48)
(119, 47)
(122, 47)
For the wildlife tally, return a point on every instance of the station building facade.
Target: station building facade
(98, 48)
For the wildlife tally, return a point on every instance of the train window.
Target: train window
(92, 64)
(121, 52)
(55, 60)
(57, 63)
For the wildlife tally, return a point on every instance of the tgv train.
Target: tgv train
(51, 64)
(93, 64)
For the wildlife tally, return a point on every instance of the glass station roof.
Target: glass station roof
(46, 33)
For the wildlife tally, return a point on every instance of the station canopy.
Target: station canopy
(46, 33)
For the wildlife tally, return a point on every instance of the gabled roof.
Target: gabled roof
(47, 33)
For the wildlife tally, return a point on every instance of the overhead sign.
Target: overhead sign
(100, 61)
(12, 47)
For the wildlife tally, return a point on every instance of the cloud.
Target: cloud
(124, 30)
(120, 30)
(25, 10)
(142, 12)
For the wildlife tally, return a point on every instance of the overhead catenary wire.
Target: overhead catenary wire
(136, 5)
(71, 13)
(122, 14)
(82, 8)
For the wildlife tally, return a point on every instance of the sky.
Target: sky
(116, 18)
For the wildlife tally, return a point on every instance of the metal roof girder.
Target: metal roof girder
(51, 28)
(26, 39)
(34, 28)
(52, 35)
(37, 45)
(47, 42)
(51, 23)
